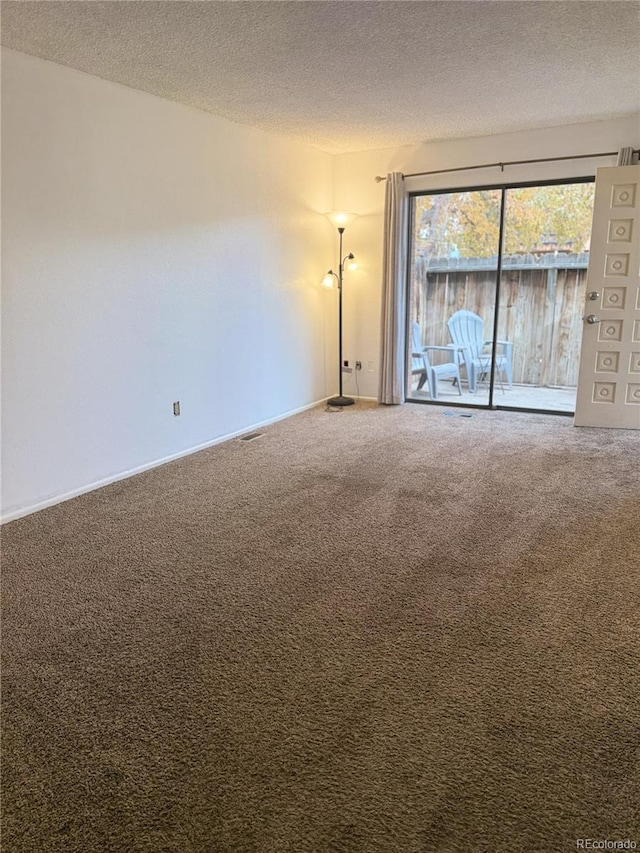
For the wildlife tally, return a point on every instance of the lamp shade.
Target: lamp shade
(341, 218)
(327, 281)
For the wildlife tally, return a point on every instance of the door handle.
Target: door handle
(593, 319)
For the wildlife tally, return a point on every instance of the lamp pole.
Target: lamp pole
(340, 400)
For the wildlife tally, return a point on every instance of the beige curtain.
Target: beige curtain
(394, 265)
(625, 157)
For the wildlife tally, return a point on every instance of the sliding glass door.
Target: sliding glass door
(496, 287)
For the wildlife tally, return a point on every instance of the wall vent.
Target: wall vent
(251, 436)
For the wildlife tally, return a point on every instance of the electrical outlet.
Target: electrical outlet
(358, 365)
(176, 407)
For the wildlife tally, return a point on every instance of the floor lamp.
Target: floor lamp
(340, 220)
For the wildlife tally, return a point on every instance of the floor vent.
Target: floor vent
(251, 436)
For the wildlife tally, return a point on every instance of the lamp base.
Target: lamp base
(341, 401)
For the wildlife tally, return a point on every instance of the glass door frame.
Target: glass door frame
(503, 187)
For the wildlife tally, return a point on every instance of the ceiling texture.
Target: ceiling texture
(351, 75)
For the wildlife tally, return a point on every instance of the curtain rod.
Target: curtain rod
(379, 178)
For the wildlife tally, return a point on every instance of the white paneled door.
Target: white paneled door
(609, 378)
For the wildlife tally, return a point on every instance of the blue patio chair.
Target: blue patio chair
(467, 334)
(432, 373)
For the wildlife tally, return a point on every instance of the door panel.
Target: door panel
(546, 240)
(455, 243)
(609, 377)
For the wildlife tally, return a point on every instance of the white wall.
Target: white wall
(151, 253)
(357, 191)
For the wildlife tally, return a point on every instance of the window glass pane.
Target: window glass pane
(454, 259)
(544, 268)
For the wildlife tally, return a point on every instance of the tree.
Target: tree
(468, 224)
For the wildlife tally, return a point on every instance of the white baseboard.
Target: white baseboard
(123, 475)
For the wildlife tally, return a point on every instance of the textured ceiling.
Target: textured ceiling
(349, 76)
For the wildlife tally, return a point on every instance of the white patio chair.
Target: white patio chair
(467, 333)
(432, 373)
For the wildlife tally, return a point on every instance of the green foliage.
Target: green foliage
(468, 224)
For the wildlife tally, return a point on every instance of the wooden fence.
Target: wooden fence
(541, 307)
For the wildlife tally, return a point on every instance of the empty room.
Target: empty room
(320, 426)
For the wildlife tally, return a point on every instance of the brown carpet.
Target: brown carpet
(382, 630)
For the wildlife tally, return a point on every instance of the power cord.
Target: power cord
(330, 408)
